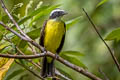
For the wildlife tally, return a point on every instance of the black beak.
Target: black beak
(65, 13)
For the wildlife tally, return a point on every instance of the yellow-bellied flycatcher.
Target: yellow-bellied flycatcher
(52, 38)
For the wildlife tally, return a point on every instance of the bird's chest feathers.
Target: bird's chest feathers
(54, 32)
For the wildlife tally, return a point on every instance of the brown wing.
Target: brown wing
(62, 42)
(42, 34)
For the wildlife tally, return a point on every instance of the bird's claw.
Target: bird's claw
(45, 51)
(56, 56)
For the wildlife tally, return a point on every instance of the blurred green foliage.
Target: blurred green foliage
(114, 35)
(80, 36)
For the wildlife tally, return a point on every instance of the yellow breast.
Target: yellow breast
(54, 32)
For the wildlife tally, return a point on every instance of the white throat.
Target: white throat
(57, 19)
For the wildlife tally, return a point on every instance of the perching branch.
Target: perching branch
(112, 54)
(70, 65)
(22, 56)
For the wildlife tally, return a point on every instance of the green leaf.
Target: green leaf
(21, 21)
(43, 13)
(39, 10)
(22, 44)
(16, 40)
(114, 35)
(0, 16)
(34, 33)
(23, 62)
(71, 53)
(72, 22)
(6, 49)
(14, 74)
(3, 46)
(73, 57)
(1, 36)
(66, 71)
(2, 30)
(102, 2)
(14, 50)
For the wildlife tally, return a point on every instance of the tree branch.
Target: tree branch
(22, 37)
(11, 30)
(22, 56)
(112, 54)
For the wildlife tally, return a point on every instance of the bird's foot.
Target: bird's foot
(45, 51)
(56, 56)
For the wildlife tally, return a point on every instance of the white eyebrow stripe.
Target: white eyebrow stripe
(56, 11)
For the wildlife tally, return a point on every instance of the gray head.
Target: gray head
(57, 13)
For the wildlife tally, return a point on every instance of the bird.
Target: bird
(52, 38)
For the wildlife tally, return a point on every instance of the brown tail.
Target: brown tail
(47, 68)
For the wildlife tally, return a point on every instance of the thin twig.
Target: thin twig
(11, 30)
(104, 75)
(112, 54)
(61, 75)
(32, 48)
(29, 60)
(29, 70)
